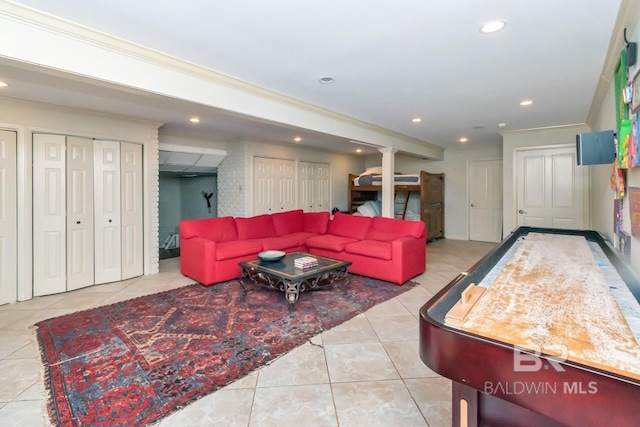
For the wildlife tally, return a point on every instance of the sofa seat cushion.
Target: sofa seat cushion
(235, 249)
(276, 243)
(329, 242)
(301, 236)
(370, 248)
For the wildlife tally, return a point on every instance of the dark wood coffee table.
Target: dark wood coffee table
(285, 277)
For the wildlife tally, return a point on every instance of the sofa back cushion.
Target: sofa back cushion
(255, 227)
(287, 222)
(222, 229)
(349, 225)
(315, 222)
(388, 229)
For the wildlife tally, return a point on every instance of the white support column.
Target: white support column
(388, 170)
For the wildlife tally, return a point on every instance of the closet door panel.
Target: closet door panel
(79, 213)
(8, 218)
(131, 207)
(107, 212)
(49, 214)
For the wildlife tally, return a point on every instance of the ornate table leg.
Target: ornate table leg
(292, 292)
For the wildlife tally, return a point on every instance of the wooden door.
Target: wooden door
(549, 188)
(79, 202)
(485, 200)
(108, 247)
(131, 209)
(49, 214)
(8, 218)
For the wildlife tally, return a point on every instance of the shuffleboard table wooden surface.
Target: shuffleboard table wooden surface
(551, 339)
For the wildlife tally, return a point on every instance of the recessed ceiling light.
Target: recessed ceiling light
(463, 139)
(526, 102)
(194, 120)
(502, 125)
(3, 84)
(297, 139)
(493, 26)
(326, 80)
(416, 120)
(358, 150)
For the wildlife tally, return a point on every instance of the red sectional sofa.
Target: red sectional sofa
(388, 249)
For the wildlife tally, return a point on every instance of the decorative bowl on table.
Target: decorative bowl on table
(271, 256)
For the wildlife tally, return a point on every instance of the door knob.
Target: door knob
(521, 212)
(77, 222)
(472, 205)
(109, 220)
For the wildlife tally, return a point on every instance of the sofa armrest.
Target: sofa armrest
(409, 257)
(197, 259)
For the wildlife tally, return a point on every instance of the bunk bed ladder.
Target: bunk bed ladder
(401, 202)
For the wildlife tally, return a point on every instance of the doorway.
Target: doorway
(485, 200)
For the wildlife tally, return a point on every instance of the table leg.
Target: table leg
(292, 292)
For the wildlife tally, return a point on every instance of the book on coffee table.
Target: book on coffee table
(305, 262)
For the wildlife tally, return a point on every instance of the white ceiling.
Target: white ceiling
(392, 61)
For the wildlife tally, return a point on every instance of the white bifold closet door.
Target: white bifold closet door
(107, 212)
(62, 213)
(8, 218)
(131, 209)
(80, 268)
(87, 212)
(118, 211)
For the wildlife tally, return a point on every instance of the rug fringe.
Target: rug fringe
(45, 376)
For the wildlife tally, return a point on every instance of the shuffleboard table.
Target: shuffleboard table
(542, 331)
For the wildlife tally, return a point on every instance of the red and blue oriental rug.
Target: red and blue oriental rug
(137, 361)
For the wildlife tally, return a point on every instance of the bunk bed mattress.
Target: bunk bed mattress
(376, 179)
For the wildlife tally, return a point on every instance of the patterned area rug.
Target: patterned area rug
(137, 361)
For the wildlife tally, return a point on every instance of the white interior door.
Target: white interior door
(263, 186)
(107, 212)
(321, 188)
(550, 188)
(49, 214)
(485, 200)
(285, 182)
(131, 209)
(307, 182)
(273, 185)
(8, 218)
(79, 212)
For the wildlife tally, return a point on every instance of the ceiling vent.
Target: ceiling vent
(192, 160)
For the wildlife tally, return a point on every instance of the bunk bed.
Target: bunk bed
(429, 186)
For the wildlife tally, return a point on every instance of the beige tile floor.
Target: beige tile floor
(365, 372)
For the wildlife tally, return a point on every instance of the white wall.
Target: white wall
(602, 195)
(27, 117)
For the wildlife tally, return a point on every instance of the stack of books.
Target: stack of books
(306, 262)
